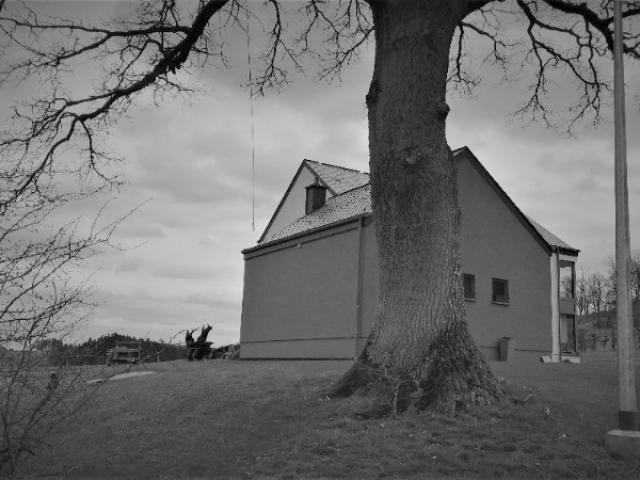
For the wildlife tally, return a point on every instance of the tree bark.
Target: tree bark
(419, 344)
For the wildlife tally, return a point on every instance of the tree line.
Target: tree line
(93, 351)
(596, 291)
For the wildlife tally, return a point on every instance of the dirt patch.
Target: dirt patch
(122, 376)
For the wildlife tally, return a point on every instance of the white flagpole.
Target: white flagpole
(628, 410)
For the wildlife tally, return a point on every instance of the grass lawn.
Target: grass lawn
(243, 419)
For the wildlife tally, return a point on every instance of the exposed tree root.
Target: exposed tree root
(452, 377)
(361, 375)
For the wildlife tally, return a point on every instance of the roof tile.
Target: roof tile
(340, 207)
(338, 179)
(549, 237)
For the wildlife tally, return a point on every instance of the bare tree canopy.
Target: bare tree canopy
(420, 342)
(145, 50)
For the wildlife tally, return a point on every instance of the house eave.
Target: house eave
(297, 236)
(572, 252)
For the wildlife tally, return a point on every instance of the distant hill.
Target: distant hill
(597, 331)
(607, 319)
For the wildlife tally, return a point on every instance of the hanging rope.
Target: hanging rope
(253, 136)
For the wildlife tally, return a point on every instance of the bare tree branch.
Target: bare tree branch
(564, 39)
(143, 53)
(59, 119)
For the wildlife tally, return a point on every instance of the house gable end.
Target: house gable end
(466, 153)
(285, 211)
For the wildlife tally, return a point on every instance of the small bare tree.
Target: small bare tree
(597, 292)
(611, 281)
(582, 299)
(40, 301)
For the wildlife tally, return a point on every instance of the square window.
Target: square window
(469, 286)
(499, 290)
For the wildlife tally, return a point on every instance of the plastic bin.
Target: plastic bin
(506, 349)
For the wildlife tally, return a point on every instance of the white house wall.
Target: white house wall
(293, 205)
(496, 244)
(300, 298)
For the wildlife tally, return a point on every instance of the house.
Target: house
(310, 283)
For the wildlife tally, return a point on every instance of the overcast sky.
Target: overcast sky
(189, 160)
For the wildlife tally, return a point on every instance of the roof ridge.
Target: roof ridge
(336, 166)
(454, 152)
(317, 175)
(350, 190)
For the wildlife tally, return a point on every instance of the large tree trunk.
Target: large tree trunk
(420, 342)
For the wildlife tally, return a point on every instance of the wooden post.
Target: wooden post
(628, 411)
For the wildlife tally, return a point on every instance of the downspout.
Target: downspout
(359, 287)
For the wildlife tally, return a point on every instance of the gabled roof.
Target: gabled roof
(347, 205)
(351, 203)
(549, 237)
(337, 180)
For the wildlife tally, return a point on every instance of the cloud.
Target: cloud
(129, 264)
(210, 301)
(135, 229)
(181, 271)
(148, 262)
(142, 313)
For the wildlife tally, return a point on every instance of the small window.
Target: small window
(469, 285)
(499, 290)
